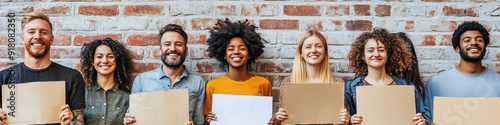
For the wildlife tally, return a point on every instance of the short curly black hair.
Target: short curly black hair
(468, 26)
(123, 58)
(225, 30)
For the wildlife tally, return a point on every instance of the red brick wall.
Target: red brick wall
(429, 24)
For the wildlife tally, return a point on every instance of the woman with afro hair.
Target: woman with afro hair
(379, 59)
(107, 71)
(235, 45)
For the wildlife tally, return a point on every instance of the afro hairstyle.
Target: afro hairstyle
(225, 30)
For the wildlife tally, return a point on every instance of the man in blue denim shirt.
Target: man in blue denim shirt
(173, 74)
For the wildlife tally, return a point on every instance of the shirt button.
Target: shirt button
(102, 117)
(92, 106)
(118, 108)
(104, 103)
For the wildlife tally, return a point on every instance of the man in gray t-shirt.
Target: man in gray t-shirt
(469, 78)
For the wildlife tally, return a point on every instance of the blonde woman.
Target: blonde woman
(311, 65)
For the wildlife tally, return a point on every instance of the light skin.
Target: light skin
(172, 44)
(37, 38)
(313, 53)
(473, 43)
(375, 55)
(105, 65)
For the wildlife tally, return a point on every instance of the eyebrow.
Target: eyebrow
(471, 37)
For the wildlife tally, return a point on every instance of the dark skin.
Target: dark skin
(237, 57)
(467, 40)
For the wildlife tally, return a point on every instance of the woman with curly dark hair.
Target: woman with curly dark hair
(107, 71)
(235, 45)
(378, 59)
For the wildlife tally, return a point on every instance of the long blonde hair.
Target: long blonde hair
(299, 73)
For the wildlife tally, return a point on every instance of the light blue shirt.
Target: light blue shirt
(156, 80)
(453, 83)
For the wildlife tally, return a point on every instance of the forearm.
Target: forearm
(78, 117)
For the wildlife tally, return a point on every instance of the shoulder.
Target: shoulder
(400, 81)
(217, 80)
(262, 79)
(60, 68)
(148, 73)
(5, 73)
(492, 73)
(440, 77)
(354, 81)
(195, 77)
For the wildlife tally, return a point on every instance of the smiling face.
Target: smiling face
(237, 53)
(375, 54)
(37, 38)
(313, 51)
(104, 60)
(173, 49)
(472, 47)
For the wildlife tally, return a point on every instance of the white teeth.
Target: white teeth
(236, 58)
(37, 45)
(172, 54)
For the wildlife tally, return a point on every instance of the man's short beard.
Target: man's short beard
(37, 55)
(466, 57)
(173, 64)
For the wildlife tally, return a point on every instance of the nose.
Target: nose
(376, 53)
(314, 49)
(236, 51)
(105, 60)
(37, 36)
(172, 47)
(473, 41)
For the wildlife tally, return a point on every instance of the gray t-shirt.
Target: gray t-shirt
(453, 83)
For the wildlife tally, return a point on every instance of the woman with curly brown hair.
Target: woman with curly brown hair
(378, 59)
(235, 45)
(107, 71)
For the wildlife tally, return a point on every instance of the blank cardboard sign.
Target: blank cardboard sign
(33, 102)
(386, 105)
(313, 103)
(164, 107)
(466, 111)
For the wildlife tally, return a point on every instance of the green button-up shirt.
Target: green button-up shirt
(105, 107)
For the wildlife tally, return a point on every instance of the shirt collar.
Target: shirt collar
(161, 75)
(98, 87)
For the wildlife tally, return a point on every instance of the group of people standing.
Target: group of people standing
(378, 58)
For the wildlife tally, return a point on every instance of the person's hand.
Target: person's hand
(418, 119)
(344, 116)
(66, 115)
(129, 119)
(189, 123)
(3, 116)
(271, 121)
(281, 115)
(356, 119)
(211, 117)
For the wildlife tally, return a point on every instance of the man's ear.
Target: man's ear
(51, 39)
(22, 39)
(457, 49)
(187, 50)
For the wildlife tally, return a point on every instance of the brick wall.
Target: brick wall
(429, 23)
